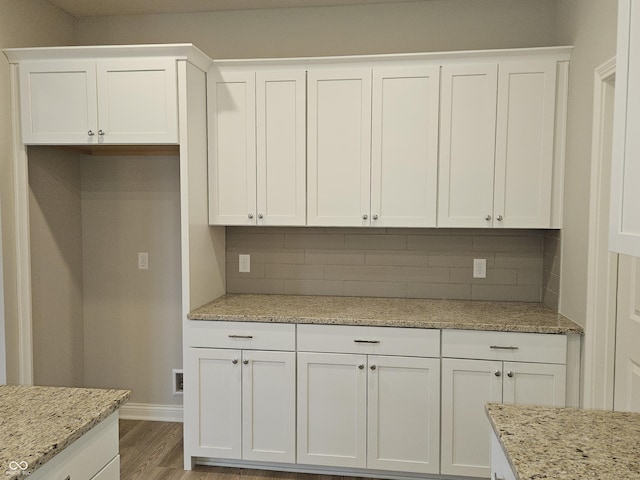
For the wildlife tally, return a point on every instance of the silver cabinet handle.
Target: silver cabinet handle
(510, 374)
(366, 341)
(496, 477)
(375, 216)
(245, 361)
(240, 336)
(499, 218)
(234, 361)
(68, 477)
(250, 216)
(487, 218)
(497, 373)
(365, 216)
(260, 216)
(500, 347)
(90, 133)
(372, 367)
(101, 132)
(361, 366)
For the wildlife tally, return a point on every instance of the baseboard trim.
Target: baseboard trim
(149, 411)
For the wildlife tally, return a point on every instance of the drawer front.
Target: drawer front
(241, 335)
(521, 347)
(85, 457)
(409, 342)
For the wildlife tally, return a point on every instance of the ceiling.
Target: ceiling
(83, 8)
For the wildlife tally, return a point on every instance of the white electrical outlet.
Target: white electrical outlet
(143, 261)
(244, 262)
(479, 268)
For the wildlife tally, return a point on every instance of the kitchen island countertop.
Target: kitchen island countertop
(388, 312)
(568, 443)
(37, 423)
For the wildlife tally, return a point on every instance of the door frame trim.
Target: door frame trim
(599, 337)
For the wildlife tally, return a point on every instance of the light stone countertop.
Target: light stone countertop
(567, 443)
(37, 423)
(387, 312)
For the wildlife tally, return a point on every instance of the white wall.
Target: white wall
(591, 27)
(22, 23)
(377, 28)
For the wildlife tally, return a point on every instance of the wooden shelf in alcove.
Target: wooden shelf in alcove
(119, 150)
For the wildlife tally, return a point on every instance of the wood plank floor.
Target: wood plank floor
(153, 451)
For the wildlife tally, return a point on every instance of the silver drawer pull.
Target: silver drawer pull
(366, 341)
(240, 336)
(496, 477)
(500, 347)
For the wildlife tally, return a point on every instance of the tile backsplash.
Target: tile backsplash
(418, 263)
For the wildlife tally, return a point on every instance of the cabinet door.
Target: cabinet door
(624, 234)
(524, 144)
(467, 145)
(110, 472)
(58, 102)
(232, 148)
(332, 409)
(500, 468)
(404, 156)
(404, 414)
(137, 101)
(339, 147)
(466, 386)
(269, 406)
(535, 384)
(281, 144)
(213, 412)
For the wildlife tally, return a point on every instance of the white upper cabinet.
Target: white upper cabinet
(625, 172)
(104, 101)
(404, 157)
(524, 144)
(339, 147)
(232, 148)
(497, 144)
(257, 168)
(467, 145)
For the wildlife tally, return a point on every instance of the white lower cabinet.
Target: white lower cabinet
(369, 410)
(500, 468)
(243, 403)
(469, 383)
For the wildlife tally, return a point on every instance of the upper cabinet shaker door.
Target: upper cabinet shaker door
(625, 172)
(339, 147)
(58, 102)
(467, 145)
(137, 101)
(281, 147)
(404, 157)
(232, 148)
(524, 144)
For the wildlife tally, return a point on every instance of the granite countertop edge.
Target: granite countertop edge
(41, 454)
(396, 312)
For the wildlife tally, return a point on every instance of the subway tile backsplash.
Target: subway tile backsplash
(522, 265)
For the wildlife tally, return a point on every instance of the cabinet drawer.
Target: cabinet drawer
(85, 457)
(522, 347)
(409, 342)
(241, 335)
(111, 471)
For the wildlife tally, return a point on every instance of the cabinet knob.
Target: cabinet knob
(90, 133)
(375, 216)
(245, 361)
(250, 216)
(497, 373)
(372, 367)
(361, 366)
(101, 132)
(510, 374)
(234, 361)
(499, 218)
(488, 218)
(365, 216)
(260, 216)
